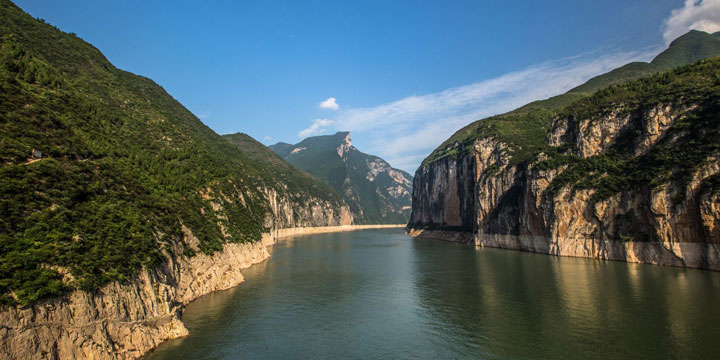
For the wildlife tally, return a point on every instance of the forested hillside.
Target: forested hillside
(102, 170)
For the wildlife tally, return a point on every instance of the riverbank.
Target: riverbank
(125, 321)
(690, 255)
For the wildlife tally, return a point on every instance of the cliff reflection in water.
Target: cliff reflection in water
(504, 303)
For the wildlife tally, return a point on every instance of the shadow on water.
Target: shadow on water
(380, 294)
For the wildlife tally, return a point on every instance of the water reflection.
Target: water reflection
(381, 294)
(503, 304)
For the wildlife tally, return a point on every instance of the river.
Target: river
(380, 294)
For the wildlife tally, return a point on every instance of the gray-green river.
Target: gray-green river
(379, 294)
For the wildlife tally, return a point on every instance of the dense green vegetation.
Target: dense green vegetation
(687, 49)
(369, 201)
(298, 180)
(675, 158)
(524, 129)
(123, 167)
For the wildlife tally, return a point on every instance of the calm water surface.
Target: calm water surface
(379, 294)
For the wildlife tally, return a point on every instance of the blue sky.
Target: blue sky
(404, 74)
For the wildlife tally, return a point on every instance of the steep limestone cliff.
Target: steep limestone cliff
(629, 174)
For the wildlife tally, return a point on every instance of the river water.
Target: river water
(380, 294)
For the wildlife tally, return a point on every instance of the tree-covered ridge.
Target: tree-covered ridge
(296, 179)
(692, 140)
(375, 192)
(687, 49)
(123, 167)
(524, 129)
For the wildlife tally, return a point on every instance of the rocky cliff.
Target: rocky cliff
(629, 174)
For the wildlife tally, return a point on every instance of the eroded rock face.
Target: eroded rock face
(507, 206)
(345, 146)
(443, 195)
(124, 321)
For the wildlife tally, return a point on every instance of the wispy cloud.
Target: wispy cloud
(330, 103)
(203, 116)
(694, 15)
(267, 138)
(316, 128)
(405, 131)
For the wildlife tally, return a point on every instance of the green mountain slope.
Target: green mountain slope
(693, 139)
(524, 129)
(687, 49)
(271, 163)
(124, 167)
(375, 192)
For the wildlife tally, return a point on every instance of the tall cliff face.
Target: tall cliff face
(629, 174)
(376, 192)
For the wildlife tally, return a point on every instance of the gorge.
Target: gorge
(127, 222)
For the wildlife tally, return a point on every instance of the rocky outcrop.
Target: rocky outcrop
(123, 321)
(506, 205)
(344, 146)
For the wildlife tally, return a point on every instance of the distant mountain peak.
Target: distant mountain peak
(693, 46)
(374, 190)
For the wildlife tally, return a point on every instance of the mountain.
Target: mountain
(687, 49)
(376, 192)
(622, 170)
(118, 206)
(271, 163)
(102, 172)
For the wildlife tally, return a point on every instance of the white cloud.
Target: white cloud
(203, 116)
(701, 15)
(403, 132)
(267, 138)
(317, 127)
(330, 103)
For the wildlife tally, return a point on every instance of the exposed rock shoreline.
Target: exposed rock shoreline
(125, 321)
(691, 255)
(482, 196)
